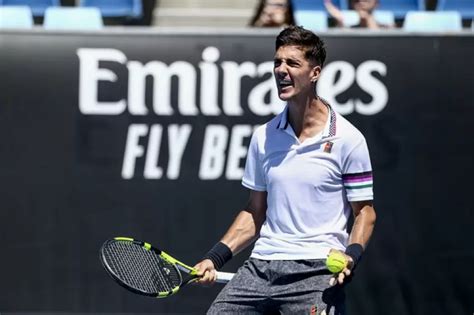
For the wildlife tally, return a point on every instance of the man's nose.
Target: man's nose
(281, 70)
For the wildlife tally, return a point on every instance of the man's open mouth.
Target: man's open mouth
(285, 83)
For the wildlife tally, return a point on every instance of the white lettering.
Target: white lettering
(209, 82)
(213, 153)
(162, 75)
(256, 99)
(233, 74)
(371, 85)
(237, 151)
(152, 170)
(136, 89)
(178, 137)
(89, 76)
(337, 77)
(328, 88)
(133, 149)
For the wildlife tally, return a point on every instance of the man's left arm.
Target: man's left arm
(364, 222)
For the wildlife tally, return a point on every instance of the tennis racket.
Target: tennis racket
(147, 270)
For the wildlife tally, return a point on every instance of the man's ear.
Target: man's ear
(315, 73)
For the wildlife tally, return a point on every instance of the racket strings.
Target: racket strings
(140, 268)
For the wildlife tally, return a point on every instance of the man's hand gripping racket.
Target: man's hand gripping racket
(146, 270)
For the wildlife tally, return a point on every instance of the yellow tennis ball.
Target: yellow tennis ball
(336, 262)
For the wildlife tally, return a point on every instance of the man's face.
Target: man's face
(294, 73)
(364, 5)
(274, 12)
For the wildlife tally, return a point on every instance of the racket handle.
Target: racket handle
(224, 277)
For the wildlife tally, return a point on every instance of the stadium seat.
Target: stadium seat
(116, 8)
(351, 17)
(433, 21)
(16, 17)
(37, 6)
(316, 5)
(312, 20)
(401, 7)
(72, 18)
(384, 17)
(465, 7)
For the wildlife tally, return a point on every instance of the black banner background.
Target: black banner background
(62, 192)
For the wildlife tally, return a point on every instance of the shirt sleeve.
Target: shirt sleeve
(253, 175)
(357, 173)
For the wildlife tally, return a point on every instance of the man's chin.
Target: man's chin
(284, 96)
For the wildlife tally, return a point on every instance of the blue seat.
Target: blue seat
(401, 7)
(37, 6)
(384, 17)
(312, 20)
(465, 7)
(433, 21)
(16, 17)
(116, 8)
(72, 18)
(316, 5)
(351, 17)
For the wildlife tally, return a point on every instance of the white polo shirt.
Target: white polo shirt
(309, 186)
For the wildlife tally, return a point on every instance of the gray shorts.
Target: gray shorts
(280, 287)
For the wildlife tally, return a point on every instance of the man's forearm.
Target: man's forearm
(363, 227)
(243, 231)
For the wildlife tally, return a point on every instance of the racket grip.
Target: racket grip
(224, 277)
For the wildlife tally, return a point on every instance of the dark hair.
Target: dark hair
(312, 45)
(289, 18)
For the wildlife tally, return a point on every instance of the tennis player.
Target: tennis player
(308, 170)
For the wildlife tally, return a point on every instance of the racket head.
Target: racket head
(140, 267)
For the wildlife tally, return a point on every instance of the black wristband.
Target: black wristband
(355, 252)
(219, 255)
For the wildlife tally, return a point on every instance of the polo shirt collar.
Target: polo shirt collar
(284, 122)
(329, 129)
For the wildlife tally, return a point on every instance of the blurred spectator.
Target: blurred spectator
(365, 10)
(273, 13)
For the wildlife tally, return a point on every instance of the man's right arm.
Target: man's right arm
(243, 231)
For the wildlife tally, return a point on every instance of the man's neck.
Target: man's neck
(307, 120)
